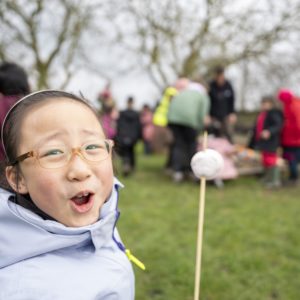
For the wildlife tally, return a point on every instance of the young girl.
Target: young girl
(57, 221)
(266, 138)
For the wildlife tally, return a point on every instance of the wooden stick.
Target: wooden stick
(200, 228)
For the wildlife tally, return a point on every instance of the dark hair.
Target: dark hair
(268, 99)
(11, 125)
(218, 70)
(146, 106)
(130, 99)
(13, 80)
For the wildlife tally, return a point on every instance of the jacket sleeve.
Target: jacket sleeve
(277, 122)
(210, 97)
(231, 100)
(204, 109)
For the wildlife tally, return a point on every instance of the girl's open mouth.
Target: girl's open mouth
(82, 202)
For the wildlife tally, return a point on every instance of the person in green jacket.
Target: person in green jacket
(162, 137)
(188, 112)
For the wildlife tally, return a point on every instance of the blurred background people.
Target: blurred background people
(105, 97)
(108, 112)
(222, 102)
(109, 117)
(128, 133)
(266, 138)
(146, 117)
(162, 136)
(290, 136)
(13, 86)
(186, 117)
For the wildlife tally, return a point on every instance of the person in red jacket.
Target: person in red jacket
(290, 135)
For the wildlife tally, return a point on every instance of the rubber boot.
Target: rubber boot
(273, 176)
(266, 176)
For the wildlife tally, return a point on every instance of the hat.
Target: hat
(285, 95)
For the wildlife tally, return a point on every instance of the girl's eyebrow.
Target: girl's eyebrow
(59, 134)
(51, 137)
(91, 132)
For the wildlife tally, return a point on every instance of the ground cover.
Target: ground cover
(251, 237)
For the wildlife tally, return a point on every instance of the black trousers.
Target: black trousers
(292, 154)
(184, 147)
(127, 154)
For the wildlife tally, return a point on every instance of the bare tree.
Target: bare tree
(174, 37)
(169, 38)
(46, 36)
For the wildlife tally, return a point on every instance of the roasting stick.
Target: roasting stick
(200, 229)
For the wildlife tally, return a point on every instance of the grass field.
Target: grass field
(251, 237)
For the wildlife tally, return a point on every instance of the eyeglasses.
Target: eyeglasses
(54, 157)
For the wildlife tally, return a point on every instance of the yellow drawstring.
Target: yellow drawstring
(135, 260)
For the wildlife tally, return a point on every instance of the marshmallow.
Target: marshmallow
(207, 163)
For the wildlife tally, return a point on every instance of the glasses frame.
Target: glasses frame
(78, 150)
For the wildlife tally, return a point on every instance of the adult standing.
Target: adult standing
(222, 103)
(162, 137)
(128, 133)
(186, 117)
(290, 135)
(13, 86)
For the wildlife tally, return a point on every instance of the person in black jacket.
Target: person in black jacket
(128, 133)
(266, 138)
(222, 103)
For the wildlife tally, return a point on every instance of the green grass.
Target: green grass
(251, 247)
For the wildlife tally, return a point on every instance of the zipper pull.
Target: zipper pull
(135, 260)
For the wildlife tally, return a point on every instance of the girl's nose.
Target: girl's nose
(78, 169)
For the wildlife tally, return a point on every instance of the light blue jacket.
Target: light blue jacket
(43, 259)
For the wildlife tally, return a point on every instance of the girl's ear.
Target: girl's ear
(16, 180)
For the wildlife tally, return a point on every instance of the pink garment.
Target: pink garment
(147, 125)
(226, 149)
(6, 102)
(109, 124)
(269, 159)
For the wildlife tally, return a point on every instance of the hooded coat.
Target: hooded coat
(43, 259)
(290, 135)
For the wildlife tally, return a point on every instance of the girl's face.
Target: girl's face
(73, 194)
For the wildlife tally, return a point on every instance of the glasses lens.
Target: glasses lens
(52, 157)
(96, 151)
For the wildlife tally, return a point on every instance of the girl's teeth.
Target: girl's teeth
(84, 195)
